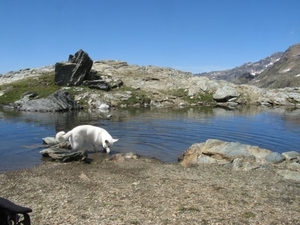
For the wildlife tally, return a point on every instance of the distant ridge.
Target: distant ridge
(279, 70)
(246, 72)
(284, 73)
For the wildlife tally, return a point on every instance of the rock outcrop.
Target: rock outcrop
(225, 93)
(241, 157)
(166, 87)
(58, 101)
(152, 86)
(75, 71)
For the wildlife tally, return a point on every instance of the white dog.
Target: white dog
(87, 133)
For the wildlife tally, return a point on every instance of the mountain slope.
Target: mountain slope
(244, 73)
(284, 73)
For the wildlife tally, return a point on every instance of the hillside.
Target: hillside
(244, 73)
(142, 86)
(284, 73)
(279, 70)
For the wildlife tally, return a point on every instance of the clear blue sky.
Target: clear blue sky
(190, 35)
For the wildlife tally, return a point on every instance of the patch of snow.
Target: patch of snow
(286, 70)
(254, 73)
(298, 75)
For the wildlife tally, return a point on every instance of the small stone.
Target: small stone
(288, 174)
(291, 155)
(275, 157)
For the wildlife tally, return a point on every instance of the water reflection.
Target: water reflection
(160, 133)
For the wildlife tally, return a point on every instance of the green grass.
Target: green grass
(199, 97)
(43, 85)
(188, 209)
(137, 96)
(248, 215)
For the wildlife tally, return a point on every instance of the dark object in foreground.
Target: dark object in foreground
(9, 213)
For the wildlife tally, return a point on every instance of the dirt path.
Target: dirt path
(145, 191)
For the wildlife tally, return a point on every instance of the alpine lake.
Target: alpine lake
(161, 133)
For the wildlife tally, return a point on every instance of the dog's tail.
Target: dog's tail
(62, 136)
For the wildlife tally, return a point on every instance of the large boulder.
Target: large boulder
(75, 71)
(242, 157)
(225, 93)
(237, 155)
(58, 101)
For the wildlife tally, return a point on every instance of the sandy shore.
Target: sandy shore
(146, 191)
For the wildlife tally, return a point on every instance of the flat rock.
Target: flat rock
(58, 101)
(291, 155)
(289, 174)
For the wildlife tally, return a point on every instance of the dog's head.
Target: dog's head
(108, 143)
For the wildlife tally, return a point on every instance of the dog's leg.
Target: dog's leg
(76, 143)
(71, 142)
(95, 147)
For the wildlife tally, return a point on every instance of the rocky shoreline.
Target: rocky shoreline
(123, 190)
(233, 155)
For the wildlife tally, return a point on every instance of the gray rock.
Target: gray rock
(225, 93)
(241, 156)
(204, 159)
(291, 155)
(75, 71)
(289, 174)
(233, 150)
(232, 104)
(274, 157)
(294, 166)
(97, 84)
(25, 98)
(93, 75)
(116, 83)
(54, 151)
(244, 164)
(58, 101)
(62, 151)
(123, 157)
(30, 94)
(294, 96)
(66, 156)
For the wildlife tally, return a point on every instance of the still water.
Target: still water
(160, 133)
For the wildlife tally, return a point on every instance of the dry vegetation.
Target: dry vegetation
(145, 191)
